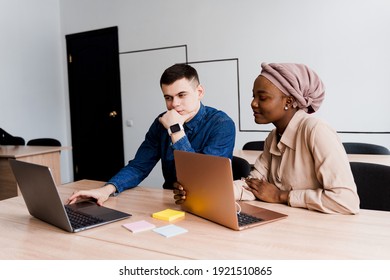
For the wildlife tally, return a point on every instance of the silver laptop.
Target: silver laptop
(208, 182)
(43, 201)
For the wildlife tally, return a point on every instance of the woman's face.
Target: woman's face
(268, 102)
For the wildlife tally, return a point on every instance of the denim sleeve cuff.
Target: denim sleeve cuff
(182, 144)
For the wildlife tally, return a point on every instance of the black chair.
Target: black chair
(8, 139)
(373, 185)
(254, 145)
(44, 142)
(365, 148)
(240, 168)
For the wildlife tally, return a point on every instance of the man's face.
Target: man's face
(183, 96)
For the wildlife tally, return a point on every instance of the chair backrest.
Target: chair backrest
(254, 145)
(365, 148)
(373, 185)
(44, 142)
(8, 139)
(240, 168)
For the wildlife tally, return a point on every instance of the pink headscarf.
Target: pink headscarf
(296, 80)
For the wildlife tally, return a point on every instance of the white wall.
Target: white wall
(345, 41)
(32, 96)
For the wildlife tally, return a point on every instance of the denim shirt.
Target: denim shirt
(210, 131)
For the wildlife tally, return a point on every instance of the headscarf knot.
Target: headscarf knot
(296, 80)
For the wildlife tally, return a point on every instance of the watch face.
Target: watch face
(175, 128)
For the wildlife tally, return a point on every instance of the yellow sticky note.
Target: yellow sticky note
(168, 215)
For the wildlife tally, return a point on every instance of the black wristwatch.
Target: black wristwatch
(175, 128)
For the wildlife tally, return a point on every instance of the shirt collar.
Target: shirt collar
(194, 122)
(288, 138)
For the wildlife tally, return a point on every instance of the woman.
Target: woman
(304, 163)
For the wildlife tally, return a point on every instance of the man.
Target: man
(187, 125)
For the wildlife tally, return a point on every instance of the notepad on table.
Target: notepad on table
(170, 230)
(168, 215)
(139, 226)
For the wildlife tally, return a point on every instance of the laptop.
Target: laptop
(208, 182)
(40, 193)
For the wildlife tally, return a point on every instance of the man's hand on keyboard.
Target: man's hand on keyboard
(100, 194)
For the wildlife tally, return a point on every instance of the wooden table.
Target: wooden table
(251, 156)
(303, 235)
(49, 156)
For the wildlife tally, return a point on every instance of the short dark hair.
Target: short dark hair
(177, 72)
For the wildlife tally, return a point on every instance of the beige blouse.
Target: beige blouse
(311, 163)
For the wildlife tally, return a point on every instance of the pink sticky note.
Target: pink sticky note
(139, 226)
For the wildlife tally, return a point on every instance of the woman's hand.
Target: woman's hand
(266, 191)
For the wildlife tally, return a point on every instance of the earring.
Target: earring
(286, 107)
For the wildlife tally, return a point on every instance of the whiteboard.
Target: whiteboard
(219, 79)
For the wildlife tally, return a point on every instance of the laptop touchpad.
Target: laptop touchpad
(91, 208)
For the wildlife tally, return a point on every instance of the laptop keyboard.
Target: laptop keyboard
(246, 219)
(80, 220)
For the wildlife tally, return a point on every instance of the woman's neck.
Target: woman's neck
(282, 124)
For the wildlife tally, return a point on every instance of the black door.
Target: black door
(95, 103)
